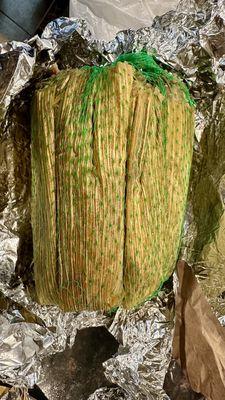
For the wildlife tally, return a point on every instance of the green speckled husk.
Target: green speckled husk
(110, 167)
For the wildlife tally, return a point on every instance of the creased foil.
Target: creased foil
(20, 357)
(16, 67)
(144, 353)
(106, 17)
(21, 347)
(190, 40)
(14, 393)
(109, 394)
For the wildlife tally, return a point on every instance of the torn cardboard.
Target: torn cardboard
(199, 339)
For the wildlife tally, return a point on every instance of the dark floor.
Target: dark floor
(77, 372)
(21, 19)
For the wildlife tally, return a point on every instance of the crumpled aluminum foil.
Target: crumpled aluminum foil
(14, 393)
(108, 394)
(21, 347)
(16, 67)
(191, 40)
(106, 17)
(8, 253)
(144, 354)
(20, 358)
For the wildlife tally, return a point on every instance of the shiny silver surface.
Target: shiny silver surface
(190, 40)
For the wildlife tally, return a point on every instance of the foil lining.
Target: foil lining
(144, 353)
(106, 17)
(14, 393)
(21, 347)
(191, 41)
(108, 394)
(16, 67)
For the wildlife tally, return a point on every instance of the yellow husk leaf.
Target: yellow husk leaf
(108, 200)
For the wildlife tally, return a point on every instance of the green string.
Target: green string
(153, 73)
(94, 74)
(147, 66)
(149, 69)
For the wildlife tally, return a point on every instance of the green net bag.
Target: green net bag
(111, 157)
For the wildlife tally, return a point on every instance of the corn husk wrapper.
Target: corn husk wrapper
(109, 191)
(191, 39)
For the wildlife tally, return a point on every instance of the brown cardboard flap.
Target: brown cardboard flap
(199, 339)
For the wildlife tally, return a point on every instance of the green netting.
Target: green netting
(106, 134)
(149, 69)
(153, 73)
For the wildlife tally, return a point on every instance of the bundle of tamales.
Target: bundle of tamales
(111, 157)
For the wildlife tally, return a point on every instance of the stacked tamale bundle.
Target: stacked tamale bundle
(111, 156)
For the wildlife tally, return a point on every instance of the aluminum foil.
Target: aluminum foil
(16, 67)
(21, 347)
(190, 40)
(144, 354)
(15, 393)
(106, 17)
(109, 394)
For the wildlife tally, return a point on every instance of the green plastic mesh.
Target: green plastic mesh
(111, 158)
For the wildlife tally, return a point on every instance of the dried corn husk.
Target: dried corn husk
(111, 159)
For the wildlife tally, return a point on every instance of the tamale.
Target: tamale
(111, 156)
